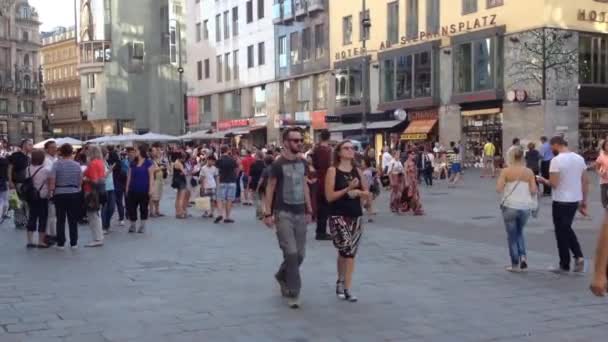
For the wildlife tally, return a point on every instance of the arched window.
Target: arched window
(25, 11)
(26, 60)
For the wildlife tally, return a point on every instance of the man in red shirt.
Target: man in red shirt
(321, 160)
(246, 162)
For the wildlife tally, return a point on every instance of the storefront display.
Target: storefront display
(479, 127)
(593, 128)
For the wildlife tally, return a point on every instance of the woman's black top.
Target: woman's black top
(346, 206)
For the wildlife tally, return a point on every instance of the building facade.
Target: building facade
(231, 75)
(130, 65)
(61, 103)
(20, 80)
(302, 62)
(471, 71)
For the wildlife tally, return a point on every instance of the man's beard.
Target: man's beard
(555, 153)
(294, 150)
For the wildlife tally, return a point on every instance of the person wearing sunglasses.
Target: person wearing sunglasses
(346, 189)
(289, 211)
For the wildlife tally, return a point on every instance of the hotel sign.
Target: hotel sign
(592, 16)
(486, 21)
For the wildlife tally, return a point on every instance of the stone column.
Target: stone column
(450, 124)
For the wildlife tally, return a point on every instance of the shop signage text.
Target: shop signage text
(430, 114)
(228, 124)
(446, 31)
(593, 16)
(414, 136)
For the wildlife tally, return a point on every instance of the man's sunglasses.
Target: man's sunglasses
(297, 141)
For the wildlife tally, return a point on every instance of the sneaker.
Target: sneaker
(74, 247)
(142, 229)
(94, 244)
(106, 232)
(579, 266)
(218, 219)
(340, 289)
(523, 265)
(293, 302)
(282, 285)
(558, 270)
(132, 229)
(59, 248)
(121, 223)
(349, 297)
(513, 268)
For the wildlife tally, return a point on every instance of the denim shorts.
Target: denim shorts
(226, 192)
(456, 168)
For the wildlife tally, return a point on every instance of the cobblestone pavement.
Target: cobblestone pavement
(435, 278)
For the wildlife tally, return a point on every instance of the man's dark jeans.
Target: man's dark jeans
(563, 216)
(322, 213)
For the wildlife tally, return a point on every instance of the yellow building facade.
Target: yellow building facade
(62, 84)
(469, 71)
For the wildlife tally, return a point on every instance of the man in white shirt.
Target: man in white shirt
(386, 157)
(50, 150)
(209, 180)
(569, 182)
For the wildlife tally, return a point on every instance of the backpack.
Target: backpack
(29, 192)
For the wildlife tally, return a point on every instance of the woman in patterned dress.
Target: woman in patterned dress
(411, 195)
(345, 190)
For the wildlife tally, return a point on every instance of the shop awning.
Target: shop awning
(370, 125)
(488, 111)
(418, 129)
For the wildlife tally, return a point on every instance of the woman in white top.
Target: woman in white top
(517, 184)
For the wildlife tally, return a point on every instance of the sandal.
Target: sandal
(42, 246)
(30, 245)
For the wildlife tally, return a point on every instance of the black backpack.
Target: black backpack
(29, 192)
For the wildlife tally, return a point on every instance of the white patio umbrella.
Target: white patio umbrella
(157, 137)
(59, 142)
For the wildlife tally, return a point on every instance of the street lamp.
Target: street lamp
(365, 25)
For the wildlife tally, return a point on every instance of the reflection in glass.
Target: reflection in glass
(341, 88)
(462, 68)
(388, 80)
(484, 74)
(404, 77)
(355, 85)
(422, 81)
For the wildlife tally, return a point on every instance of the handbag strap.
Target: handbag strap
(512, 190)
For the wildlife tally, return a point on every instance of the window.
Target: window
(226, 27)
(422, 73)
(4, 128)
(92, 104)
(231, 103)
(26, 60)
(393, 22)
(593, 59)
(206, 30)
(349, 86)
(199, 70)
(304, 94)
(235, 21)
(207, 71)
(138, 51)
(496, 3)
(286, 95)
(260, 9)
(3, 105)
(219, 68)
(91, 81)
(319, 40)
(388, 80)
(250, 60)
(261, 53)
(25, 36)
(475, 65)
(432, 16)
(294, 43)
(218, 28)
(227, 66)
(363, 29)
(235, 64)
(283, 51)
(469, 6)
(321, 89)
(206, 109)
(411, 29)
(306, 44)
(198, 32)
(249, 7)
(347, 30)
(26, 128)
(259, 101)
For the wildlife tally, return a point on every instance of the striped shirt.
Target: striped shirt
(68, 176)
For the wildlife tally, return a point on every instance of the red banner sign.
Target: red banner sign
(229, 124)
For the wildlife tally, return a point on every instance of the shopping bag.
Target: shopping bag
(203, 203)
(14, 202)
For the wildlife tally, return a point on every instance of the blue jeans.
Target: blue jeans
(107, 211)
(515, 221)
(226, 192)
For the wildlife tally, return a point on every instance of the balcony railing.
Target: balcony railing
(282, 12)
(307, 7)
(95, 52)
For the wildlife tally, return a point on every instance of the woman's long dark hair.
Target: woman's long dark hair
(336, 154)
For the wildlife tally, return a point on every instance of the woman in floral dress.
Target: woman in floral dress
(411, 195)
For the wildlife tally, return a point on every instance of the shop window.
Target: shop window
(475, 65)
(349, 86)
(407, 76)
(593, 59)
(259, 101)
(304, 94)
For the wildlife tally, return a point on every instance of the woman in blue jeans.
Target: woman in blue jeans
(517, 184)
